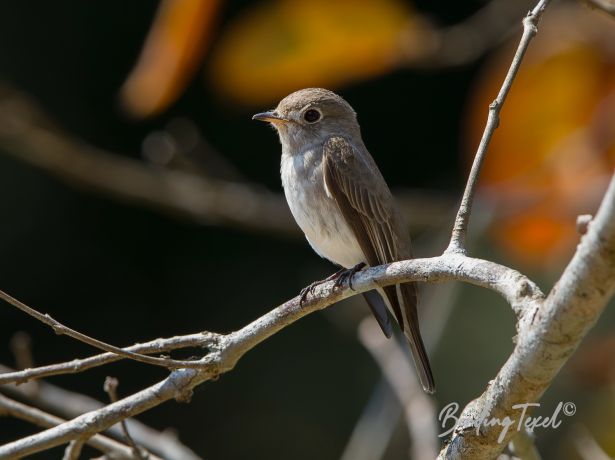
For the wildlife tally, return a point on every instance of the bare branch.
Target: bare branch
(583, 222)
(70, 405)
(519, 291)
(60, 329)
(43, 419)
(530, 23)
(178, 385)
(201, 339)
(546, 339)
(514, 287)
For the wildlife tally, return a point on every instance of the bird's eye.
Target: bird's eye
(311, 115)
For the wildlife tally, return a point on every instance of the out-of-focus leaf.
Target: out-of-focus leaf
(552, 155)
(280, 46)
(174, 47)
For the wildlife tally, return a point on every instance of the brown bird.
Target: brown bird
(342, 203)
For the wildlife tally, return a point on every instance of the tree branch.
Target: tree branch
(177, 385)
(43, 419)
(458, 236)
(519, 291)
(200, 339)
(70, 405)
(60, 329)
(546, 340)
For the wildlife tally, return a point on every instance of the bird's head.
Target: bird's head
(310, 116)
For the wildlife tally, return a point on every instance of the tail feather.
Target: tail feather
(379, 310)
(403, 300)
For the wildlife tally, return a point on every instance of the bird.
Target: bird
(343, 205)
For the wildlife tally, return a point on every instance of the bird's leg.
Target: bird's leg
(310, 288)
(344, 275)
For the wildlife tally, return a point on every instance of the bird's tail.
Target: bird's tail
(403, 300)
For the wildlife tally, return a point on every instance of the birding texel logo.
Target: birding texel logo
(448, 415)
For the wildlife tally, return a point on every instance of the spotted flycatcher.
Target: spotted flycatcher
(343, 205)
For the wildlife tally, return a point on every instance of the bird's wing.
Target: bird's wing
(364, 200)
(366, 203)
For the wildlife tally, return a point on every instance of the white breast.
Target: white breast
(316, 213)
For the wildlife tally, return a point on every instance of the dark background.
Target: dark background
(125, 274)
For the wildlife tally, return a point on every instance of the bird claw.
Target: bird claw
(308, 290)
(340, 277)
(347, 275)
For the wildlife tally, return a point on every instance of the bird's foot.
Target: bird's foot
(309, 289)
(342, 274)
(346, 275)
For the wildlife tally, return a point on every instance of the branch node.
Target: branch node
(184, 395)
(530, 23)
(454, 248)
(525, 289)
(583, 222)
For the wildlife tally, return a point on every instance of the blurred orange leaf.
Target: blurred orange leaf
(280, 46)
(171, 54)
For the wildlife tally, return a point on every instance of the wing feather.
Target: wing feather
(366, 203)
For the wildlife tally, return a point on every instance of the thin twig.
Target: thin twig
(458, 236)
(60, 329)
(110, 387)
(201, 339)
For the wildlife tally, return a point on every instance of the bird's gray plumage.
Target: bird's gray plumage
(342, 203)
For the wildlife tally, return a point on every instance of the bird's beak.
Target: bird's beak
(271, 116)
